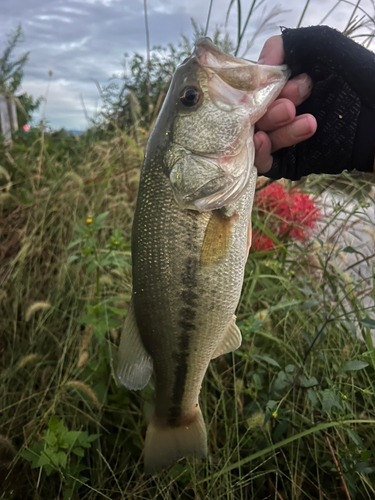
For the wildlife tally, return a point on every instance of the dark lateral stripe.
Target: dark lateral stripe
(186, 323)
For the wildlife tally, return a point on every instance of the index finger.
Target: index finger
(272, 52)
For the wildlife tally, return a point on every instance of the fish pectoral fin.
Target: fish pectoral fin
(216, 239)
(231, 341)
(134, 367)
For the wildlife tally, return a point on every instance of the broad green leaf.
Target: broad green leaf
(280, 429)
(366, 455)
(72, 258)
(266, 359)
(271, 404)
(82, 439)
(116, 310)
(312, 397)
(72, 437)
(309, 303)
(112, 323)
(101, 217)
(101, 327)
(93, 437)
(50, 438)
(368, 322)
(354, 437)
(286, 304)
(62, 458)
(44, 459)
(351, 328)
(257, 381)
(328, 400)
(353, 366)
(75, 243)
(78, 451)
(54, 425)
(254, 326)
(89, 319)
(364, 468)
(91, 267)
(350, 250)
(30, 456)
(307, 382)
(49, 469)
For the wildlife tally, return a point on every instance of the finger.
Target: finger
(272, 52)
(263, 159)
(302, 128)
(298, 89)
(280, 113)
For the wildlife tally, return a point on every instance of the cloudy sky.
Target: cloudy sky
(81, 41)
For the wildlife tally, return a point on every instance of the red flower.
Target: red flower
(261, 242)
(289, 214)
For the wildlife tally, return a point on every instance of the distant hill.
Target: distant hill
(76, 132)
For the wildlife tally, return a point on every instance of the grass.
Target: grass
(289, 416)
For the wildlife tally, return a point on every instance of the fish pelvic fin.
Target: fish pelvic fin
(231, 341)
(134, 365)
(166, 444)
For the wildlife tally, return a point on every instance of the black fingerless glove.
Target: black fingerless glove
(342, 101)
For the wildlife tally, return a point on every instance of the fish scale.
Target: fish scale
(190, 240)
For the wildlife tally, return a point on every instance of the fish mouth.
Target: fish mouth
(236, 72)
(234, 82)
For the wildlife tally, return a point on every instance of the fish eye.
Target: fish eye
(190, 96)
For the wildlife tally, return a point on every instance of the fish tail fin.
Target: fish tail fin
(165, 444)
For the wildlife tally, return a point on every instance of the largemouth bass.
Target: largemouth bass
(190, 240)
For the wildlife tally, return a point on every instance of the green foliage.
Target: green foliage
(55, 454)
(101, 314)
(11, 75)
(11, 71)
(27, 105)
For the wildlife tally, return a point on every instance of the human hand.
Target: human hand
(280, 127)
(342, 100)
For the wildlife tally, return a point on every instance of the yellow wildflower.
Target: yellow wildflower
(89, 221)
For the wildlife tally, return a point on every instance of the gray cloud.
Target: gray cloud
(84, 40)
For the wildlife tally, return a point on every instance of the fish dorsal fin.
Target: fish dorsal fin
(231, 341)
(134, 367)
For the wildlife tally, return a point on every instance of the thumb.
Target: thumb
(272, 52)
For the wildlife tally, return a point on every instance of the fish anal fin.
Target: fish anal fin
(134, 367)
(217, 238)
(231, 341)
